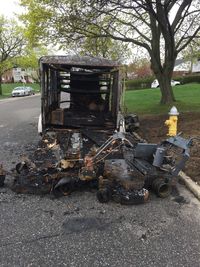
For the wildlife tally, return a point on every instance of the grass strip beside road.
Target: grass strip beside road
(8, 87)
(146, 101)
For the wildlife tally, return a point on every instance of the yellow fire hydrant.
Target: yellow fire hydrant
(172, 122)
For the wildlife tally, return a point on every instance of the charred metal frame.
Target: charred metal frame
(56, 77)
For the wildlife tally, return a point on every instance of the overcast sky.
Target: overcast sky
(8, 8)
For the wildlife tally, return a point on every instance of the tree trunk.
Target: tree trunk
(167, 95)
(1, 92)
(163, 74)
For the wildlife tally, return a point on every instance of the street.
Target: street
(77, 230)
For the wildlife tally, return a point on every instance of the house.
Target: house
(183, 67)
(17, 74)
(196, 66)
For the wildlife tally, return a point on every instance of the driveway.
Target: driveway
(77, 230)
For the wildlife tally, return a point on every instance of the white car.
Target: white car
(22, 91)
(155, 83)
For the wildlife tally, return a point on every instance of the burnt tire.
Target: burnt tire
(104, 195)
(57, 193)
(161, 188)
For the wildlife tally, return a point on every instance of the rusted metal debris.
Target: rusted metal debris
(121, 169)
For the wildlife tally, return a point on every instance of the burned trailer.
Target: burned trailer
(80, 110)
(79, 92)
(87, 141)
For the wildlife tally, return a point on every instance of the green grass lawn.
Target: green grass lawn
(146, 101)
(8, 87)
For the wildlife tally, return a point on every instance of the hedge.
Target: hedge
(188, 79)
(146, 82)
(139, 83)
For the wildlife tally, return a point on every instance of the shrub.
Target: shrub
(139, 83)
(144, 83)
(188, 79)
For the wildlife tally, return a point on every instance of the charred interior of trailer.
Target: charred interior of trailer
(76, 96)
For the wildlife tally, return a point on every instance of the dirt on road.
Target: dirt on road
(152, 129)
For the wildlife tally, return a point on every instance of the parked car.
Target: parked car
(22, 91)
(30, 90)
(155, 83)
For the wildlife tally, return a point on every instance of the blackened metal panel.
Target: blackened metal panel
(43, 93)
(53, 89)
(116, 93)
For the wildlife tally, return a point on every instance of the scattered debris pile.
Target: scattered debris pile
(122, 168)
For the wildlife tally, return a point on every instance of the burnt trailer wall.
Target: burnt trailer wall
(50, 93)
(91, 93)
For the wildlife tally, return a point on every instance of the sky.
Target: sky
(8, 8)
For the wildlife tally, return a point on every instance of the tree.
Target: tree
(29, 59)
(39, 32)
(162, 27)
(192, 53)
(139, 68)
(104, 47)
(11, 44)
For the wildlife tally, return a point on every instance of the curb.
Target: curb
(190, 184)
(10, 99)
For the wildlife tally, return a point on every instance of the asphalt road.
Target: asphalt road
(79, 231)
